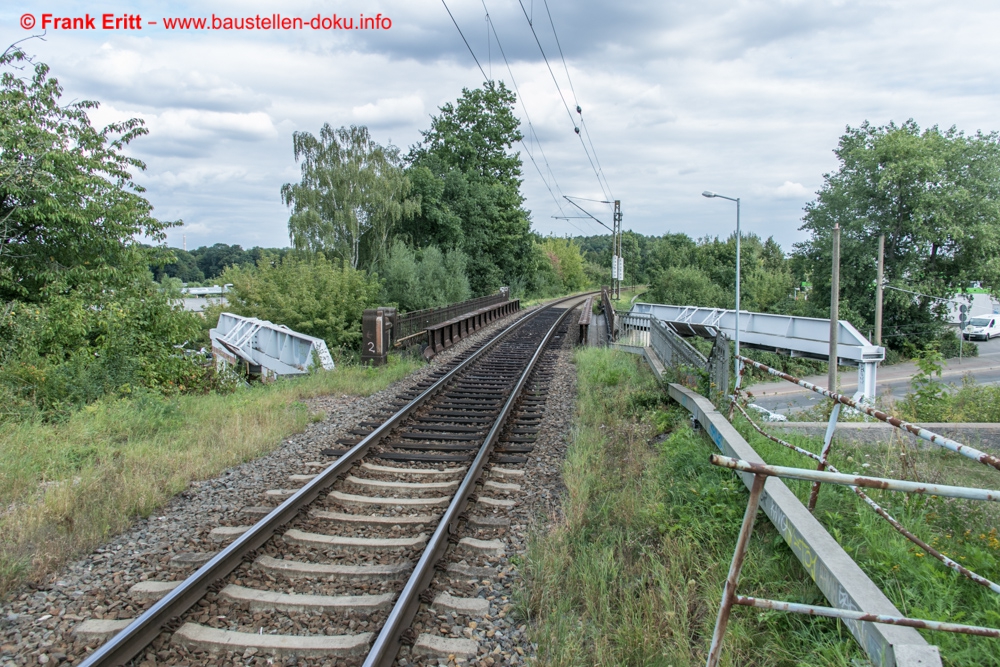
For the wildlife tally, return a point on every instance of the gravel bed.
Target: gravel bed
(502, 637)
(36, 621)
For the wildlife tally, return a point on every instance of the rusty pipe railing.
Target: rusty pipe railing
(761, 471)
(922, 433)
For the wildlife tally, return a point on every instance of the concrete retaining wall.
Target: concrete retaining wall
(836, 574)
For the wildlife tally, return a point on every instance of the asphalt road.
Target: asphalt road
(784, 397)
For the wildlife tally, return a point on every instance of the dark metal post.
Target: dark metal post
(376, 331)
(729, 590)
(878, 290)
(834, 310)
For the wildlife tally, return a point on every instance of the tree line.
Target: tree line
(82, 315)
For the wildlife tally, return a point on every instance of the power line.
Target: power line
(527, 118)
(514, 83)
(563, 98)
(465, 40)
(579, 109)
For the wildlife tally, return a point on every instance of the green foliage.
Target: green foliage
(417, 279)
(80, 346)
(565, 271)
(309, 294)
(469, 180)
(687, 285)
(183, 266)
(70, 212)
(928, 393)
(352, 194)
(910, 578)
(633, 572)
(935, 195)
(80, 317)
(68, 486)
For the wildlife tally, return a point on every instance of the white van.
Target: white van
(982, 327)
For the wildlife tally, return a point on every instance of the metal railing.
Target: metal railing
(416, 321)
(609, 313)
(824, 464)
(761, 472)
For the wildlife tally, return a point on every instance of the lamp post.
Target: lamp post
(736, 337)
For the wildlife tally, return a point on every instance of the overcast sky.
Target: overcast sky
(744, 98)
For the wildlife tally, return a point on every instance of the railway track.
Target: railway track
(338, 571)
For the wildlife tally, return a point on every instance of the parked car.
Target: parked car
(982, 327)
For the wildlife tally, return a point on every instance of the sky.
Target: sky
(748, 98)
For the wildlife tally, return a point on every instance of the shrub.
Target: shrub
(309, 294)
(418, 279)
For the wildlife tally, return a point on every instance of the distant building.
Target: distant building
(197, 299)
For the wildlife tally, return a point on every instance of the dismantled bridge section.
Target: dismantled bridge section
(265, 349)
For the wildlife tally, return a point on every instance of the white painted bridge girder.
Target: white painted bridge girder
(787, 334)
(274, 347)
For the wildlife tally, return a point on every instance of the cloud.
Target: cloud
(678, 97)
(789, 190)
(388, 112)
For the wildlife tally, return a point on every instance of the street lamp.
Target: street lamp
(736, 338)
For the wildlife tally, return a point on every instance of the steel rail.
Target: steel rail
(134, 638)
(386, 645)
(920, 432)
(943, 490)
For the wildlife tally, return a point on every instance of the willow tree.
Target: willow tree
(352, 194)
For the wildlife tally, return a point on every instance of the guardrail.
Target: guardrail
(761, 472)
(836, 574)
(824, 464)
(442, 336)
(409, 326)
(588, 311)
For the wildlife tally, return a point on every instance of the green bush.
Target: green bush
(79, 346)
(309, 294)
(418, 279)
(688, 286)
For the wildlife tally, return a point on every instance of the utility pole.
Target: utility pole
(834, 310)
(618, 266)
(878, 290)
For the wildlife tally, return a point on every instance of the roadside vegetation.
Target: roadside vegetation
(632, 573)
(68, 485)
(106, 408)
(919, 585)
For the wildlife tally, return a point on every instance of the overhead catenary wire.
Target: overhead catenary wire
(601, 183)
(527, 117)
(576, 101)
(465, 40)
(488, 78)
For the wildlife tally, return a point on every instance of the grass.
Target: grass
(67, 487)
(917, 584)
(633, 572)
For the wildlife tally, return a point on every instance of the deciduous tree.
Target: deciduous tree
(469, 149)
(352, 194)
(935, 194)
